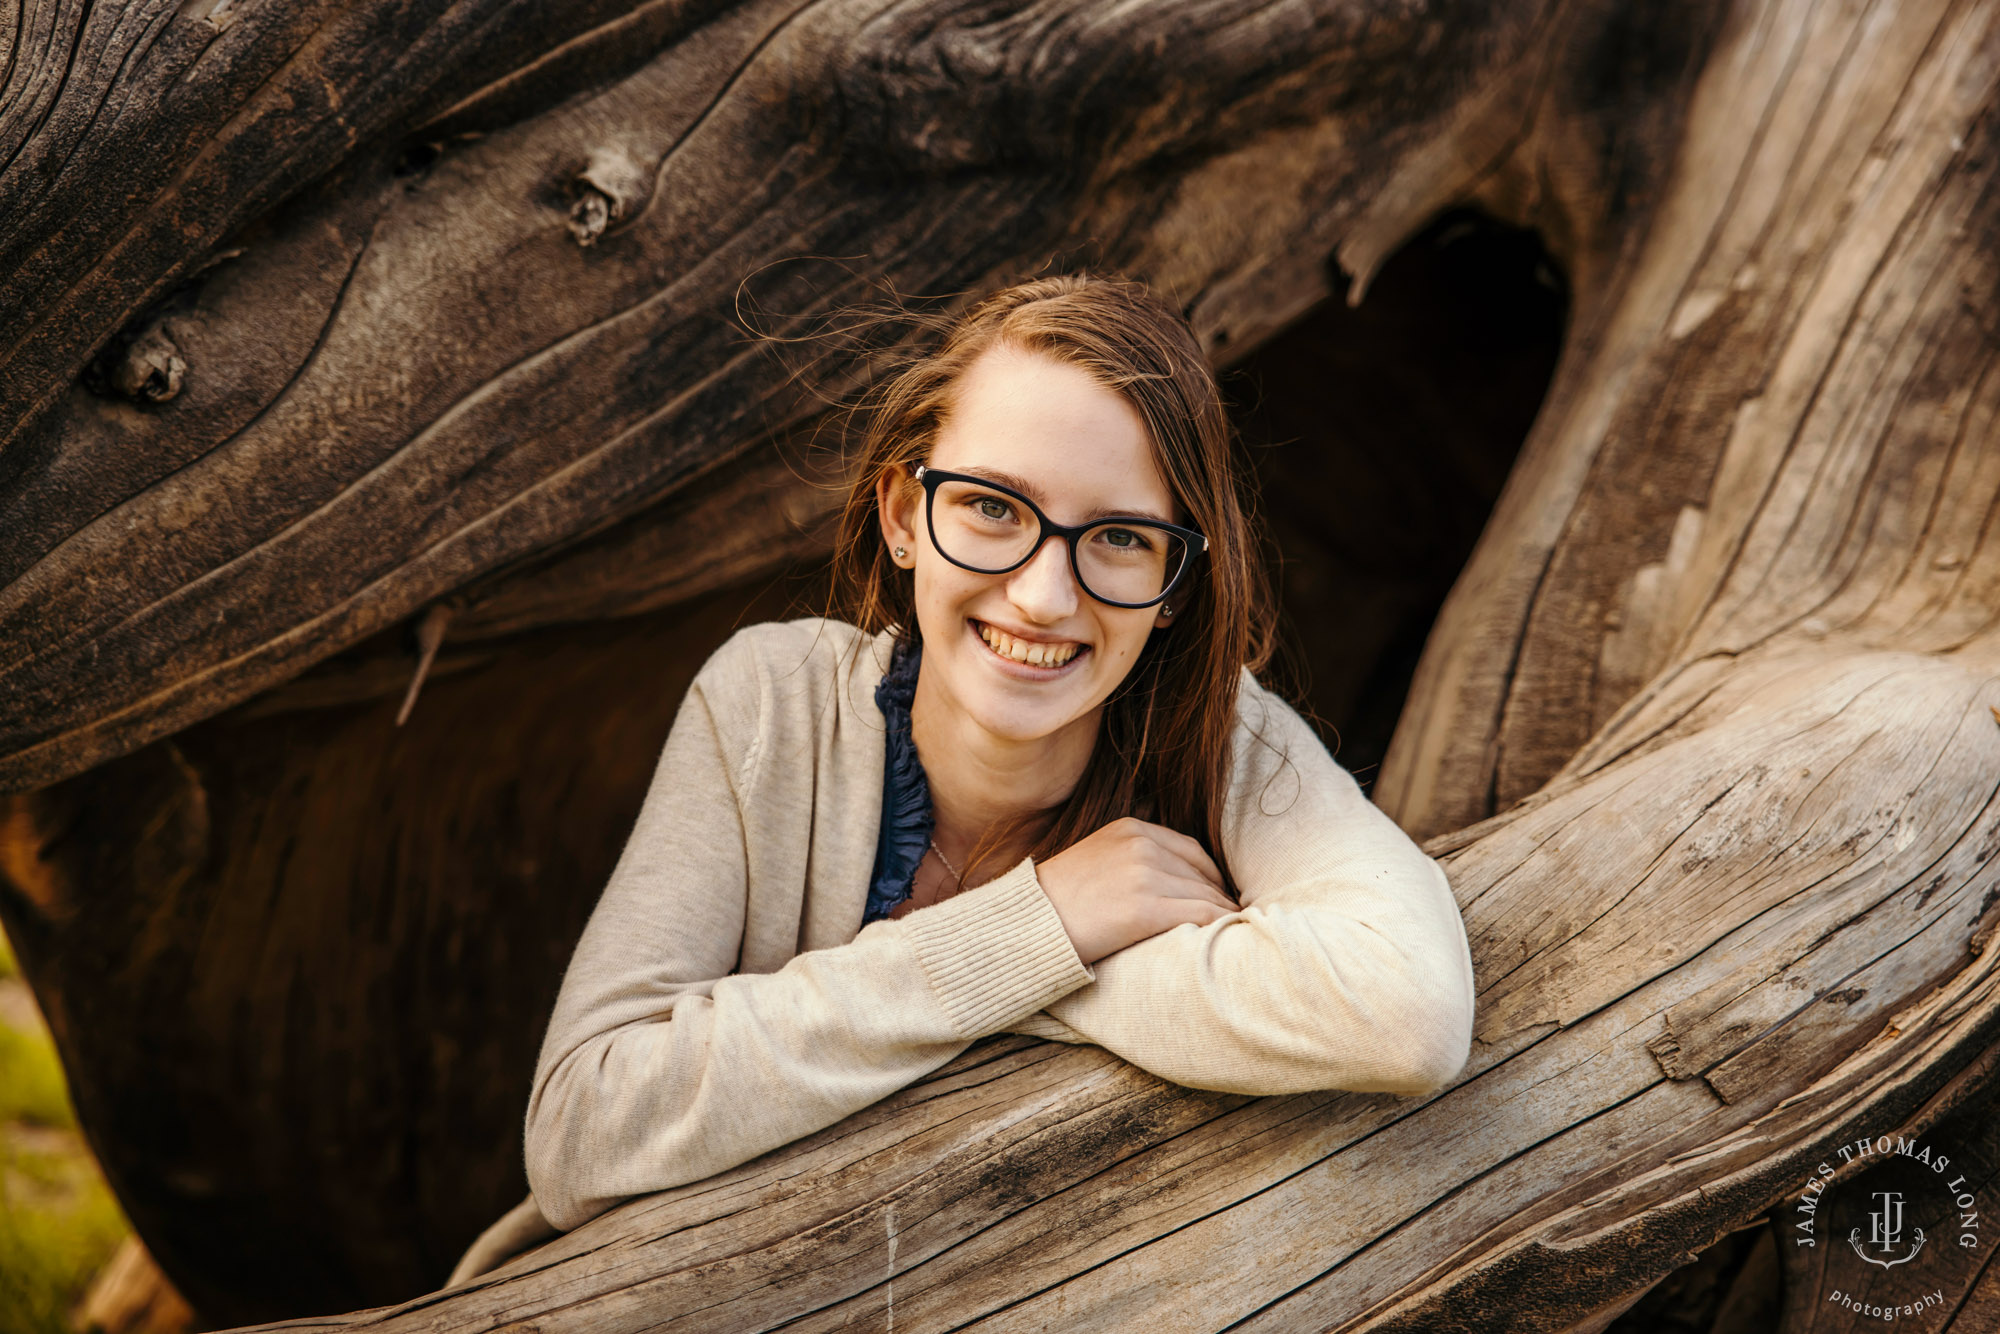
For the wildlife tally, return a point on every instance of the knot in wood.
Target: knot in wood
(611, 189)
(151, 370)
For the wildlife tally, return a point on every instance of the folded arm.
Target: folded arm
(1346, 967)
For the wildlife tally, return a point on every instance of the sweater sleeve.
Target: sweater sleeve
(1346, 967)
(660, 1067)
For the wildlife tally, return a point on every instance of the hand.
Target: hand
(1130, 881)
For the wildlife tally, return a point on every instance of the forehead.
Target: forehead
(1077, 445)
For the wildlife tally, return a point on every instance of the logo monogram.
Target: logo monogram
(1914, 1191)
(1885, 1230)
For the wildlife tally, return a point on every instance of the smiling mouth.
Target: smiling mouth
(1026, 651)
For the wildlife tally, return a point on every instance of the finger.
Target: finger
(1188, 850)
(1170, 913)
(1192, 887)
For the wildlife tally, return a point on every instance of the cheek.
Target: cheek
(941, 595)
(1127, 642)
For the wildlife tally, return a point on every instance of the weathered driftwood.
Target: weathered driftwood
(1029, 1186)
(405, 381)
(1705, 728)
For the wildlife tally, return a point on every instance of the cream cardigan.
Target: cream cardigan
(724, 1000)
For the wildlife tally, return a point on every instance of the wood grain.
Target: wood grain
(1705, 730)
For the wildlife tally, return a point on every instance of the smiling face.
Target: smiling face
(1028, 655)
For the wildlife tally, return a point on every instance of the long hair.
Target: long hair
(1163, 749)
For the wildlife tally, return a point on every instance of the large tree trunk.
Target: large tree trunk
(320, 319)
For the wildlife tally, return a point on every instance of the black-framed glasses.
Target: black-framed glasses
(1122, 560)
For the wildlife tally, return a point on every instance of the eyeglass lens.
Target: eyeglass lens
(990, 531)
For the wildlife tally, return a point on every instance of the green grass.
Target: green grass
(58, 1227)
(31, 1081)
(58, 1220)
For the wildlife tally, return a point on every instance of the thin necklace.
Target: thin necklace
(947, 862)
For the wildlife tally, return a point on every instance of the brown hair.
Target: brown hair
(1163, 750)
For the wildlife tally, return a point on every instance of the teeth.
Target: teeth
(1020, 650)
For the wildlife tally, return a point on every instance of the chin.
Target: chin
(1019, 724)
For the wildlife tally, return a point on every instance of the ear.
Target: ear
(1160, 619)
(896, 499)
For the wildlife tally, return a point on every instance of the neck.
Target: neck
(979, 780)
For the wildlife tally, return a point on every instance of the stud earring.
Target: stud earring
(901, 552)
(1166, 609)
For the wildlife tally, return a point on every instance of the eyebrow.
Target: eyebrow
(1040, 497)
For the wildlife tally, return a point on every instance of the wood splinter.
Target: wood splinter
(430, 634)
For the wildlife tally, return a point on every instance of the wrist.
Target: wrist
(998, 952)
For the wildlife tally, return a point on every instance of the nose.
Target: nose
(1044, 590)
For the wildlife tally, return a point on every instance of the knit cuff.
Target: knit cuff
(997, 953)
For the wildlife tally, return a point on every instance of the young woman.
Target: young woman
(1028, 783)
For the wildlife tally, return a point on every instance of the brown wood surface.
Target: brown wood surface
(301, 1024)
(1029, 1185)
(403, 382)
(318, 318)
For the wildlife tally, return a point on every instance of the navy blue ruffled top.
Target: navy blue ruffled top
(907, 819)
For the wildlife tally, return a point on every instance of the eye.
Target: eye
(1125, 539)
(992, 507)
